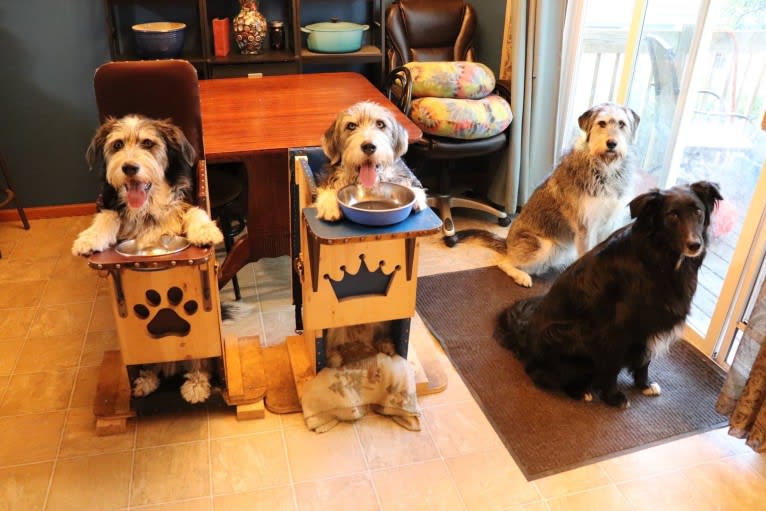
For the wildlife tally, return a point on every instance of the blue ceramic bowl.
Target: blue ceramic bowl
(159, 40)
(384, 204)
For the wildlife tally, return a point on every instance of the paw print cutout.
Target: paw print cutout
(167, 320)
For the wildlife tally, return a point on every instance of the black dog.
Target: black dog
(617, 305)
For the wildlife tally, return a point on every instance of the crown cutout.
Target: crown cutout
(363, 283)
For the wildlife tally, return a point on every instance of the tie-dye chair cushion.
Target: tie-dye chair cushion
(465, 80)
(466, 119)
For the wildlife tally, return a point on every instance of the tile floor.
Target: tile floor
(55, 322)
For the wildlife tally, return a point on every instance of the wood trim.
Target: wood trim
(85, 209)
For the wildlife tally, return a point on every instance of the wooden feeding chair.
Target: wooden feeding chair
(167, 307)
(347, 274)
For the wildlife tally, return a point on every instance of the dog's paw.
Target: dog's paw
(653, 389)
(196, 388)
(146, 383)
(421, 202)
(616, 399)
(205, 234)
(587, 397)
(87, 243)
(327, 205)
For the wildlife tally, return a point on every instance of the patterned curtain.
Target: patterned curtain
(744, 392)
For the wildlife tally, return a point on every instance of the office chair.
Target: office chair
(437, 31)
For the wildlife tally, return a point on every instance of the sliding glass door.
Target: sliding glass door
(694, 71)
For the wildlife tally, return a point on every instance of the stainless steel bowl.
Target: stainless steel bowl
(167, 245)
(383, 204)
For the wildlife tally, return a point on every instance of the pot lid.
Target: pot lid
(335, 26)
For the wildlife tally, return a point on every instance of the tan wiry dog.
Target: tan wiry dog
(579, 204)
(146, 167)
(364, 145)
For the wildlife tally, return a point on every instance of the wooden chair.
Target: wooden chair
(8, 195)
(166, 89)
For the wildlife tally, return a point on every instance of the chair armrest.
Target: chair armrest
(398, 88)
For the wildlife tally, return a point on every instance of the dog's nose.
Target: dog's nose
(694, 246)
(129, 169)
(368, 148)
(611, 144)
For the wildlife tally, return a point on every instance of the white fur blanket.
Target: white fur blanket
(381, 384)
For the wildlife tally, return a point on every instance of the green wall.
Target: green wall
(48, 53)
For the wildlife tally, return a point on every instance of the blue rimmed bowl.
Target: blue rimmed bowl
(383, 204)
(159, 39)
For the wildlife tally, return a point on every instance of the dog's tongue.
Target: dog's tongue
(367, 175)
(136, 194)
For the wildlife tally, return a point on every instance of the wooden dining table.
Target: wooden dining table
(256, 121)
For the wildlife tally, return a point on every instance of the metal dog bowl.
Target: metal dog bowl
(168, 245)
(383, 204)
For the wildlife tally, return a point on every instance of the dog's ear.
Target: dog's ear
(644, 205)
(709, 194)
(400, 137)
(330, 140)
(585, 121)
(178, 146)
(634, 119)
(94, 155)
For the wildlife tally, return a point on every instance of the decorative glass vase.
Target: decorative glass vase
(250, 28)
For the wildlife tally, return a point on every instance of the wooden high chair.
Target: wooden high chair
(167, 308)
(347, 274)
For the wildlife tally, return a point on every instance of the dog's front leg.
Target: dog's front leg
(200, 229)
(641, 380)
(101, 234)
(327, 204)
(606, 381)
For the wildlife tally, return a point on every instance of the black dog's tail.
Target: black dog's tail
(232, 311)
(487, 238)
(512, 325)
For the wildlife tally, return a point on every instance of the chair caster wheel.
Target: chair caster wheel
(450, 241)
(504, 222)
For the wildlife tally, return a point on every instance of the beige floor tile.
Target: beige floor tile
(268, 499)
(103, 318)
(205, 504)
(21, 294)
(53, 353)
(94, 483)
(70, 290)
(38, 392)
(572, 481)
(606, 497)
(96, 343)
(9, 353)
(224, 423)
(491, 480)
(71, 318)
(169, 473)
(24, 487)
(85, 386)
(387, 444)
(250, 325)
(30, 438)
(723, 484)
(20, 269)
(670, 456)
(293, 420)
(69, 266)
(80, 438)
(460, 428)
(171, 428)
(534, 506)
(422, 486)
(15, 323)
(347, 493)
(247, 463)
(753, 460)
(277, 326)
(320, 455)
